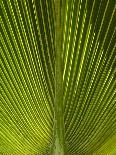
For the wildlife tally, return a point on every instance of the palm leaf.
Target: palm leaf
(57, 77)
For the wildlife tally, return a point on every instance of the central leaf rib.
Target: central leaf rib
(58, 144)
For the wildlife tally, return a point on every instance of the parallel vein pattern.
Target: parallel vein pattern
(88, 74)
(27, 75)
